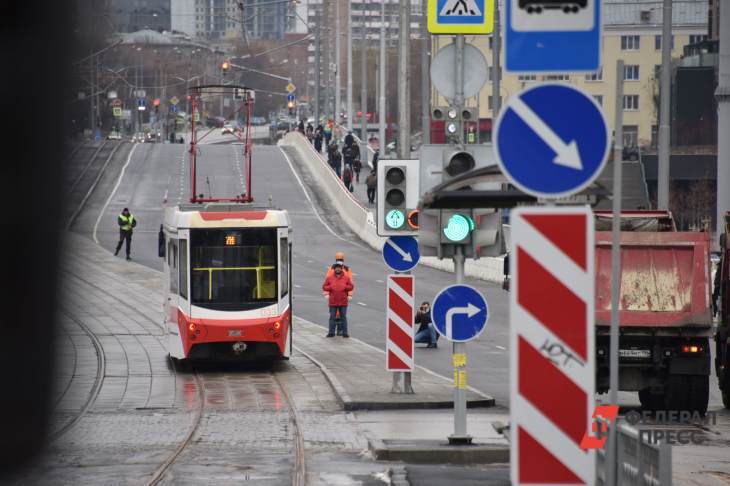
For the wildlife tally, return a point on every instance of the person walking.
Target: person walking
(371, 182)
(376, 156)
(318, 139)
(347, 177)
(347, 154)
(349, 139)
(126, 222)
(336, 160)
(327, 132)
(338, 285)
(426, 331)
(357, 167)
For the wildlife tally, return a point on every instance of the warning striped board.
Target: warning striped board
(552, 365)
(399, 323)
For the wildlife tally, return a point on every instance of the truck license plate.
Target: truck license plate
(634, 353)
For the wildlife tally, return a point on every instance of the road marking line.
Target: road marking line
(119, 181)
(362, 304)
(500, 347)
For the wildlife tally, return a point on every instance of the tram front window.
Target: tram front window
(233, 269)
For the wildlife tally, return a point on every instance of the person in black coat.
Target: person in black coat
(426, 331)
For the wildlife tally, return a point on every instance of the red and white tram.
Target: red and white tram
(227, 276)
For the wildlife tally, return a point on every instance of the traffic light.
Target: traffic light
(291, 105)
(225, 67)
(477, 231)
(397, 197)
(441, 163)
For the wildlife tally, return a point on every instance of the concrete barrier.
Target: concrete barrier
(360, 218)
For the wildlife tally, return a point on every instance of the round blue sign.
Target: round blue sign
(460, 313)
(551, 140)
(401, 253)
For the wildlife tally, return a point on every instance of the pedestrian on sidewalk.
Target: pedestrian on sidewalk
(349, 139)
(338, 285)
(372, 186)
(357, 166)
(347, 178)
(318, 139)
(126, 222)
(376, 156)
(336, 160)
(340, 258)
(426, 331)
(347, 154)
(327, 132)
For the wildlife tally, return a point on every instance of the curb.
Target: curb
(439, 452)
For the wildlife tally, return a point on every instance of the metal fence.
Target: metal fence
(640, 463)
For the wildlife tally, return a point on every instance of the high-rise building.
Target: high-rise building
(129, 16)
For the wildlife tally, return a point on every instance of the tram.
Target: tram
(227, 266)
(227, 275)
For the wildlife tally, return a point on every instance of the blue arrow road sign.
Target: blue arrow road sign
(542, 38)
(290, 97)
(460, 313)
(401, 253)
(551, 140)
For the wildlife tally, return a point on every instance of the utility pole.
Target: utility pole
(364, 89)
(381, 99)
(615, 269)
(327, 60)
(723, 119)
(338, 55)
(425, 77)
(317, 65)
(496, 67)
(665, 93)
(92, 111)
(404, 112)
(350, 121)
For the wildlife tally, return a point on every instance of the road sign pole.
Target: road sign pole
(459, 73)
(615, 271)
(458, 358)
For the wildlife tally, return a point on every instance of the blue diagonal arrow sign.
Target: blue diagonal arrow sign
(401, 253)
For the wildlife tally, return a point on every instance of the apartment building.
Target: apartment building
(633, 33)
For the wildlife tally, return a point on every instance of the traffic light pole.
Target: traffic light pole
(458, 359)
(459, 42)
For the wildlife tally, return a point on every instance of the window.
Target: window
(595, 76)
(658, 42)
(694, 39)
(527, 77)
(631, 72)
(631, 102)
(630, 42)
(556, 77)
(631, 135)
(599, 99)
(284, 259)
(172, 263)
(183, 269)
(233, 269)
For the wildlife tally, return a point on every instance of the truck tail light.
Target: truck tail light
(691, 348)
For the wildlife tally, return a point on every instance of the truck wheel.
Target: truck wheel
(676, 396)
(698, 393)
(650, 401)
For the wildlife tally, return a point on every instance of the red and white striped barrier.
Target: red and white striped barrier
(552, 360)
(399, 323)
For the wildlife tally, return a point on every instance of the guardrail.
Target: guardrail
(639, 463)
(360, 218)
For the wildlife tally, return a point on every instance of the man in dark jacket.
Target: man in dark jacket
(426, 331)
(349, 139)
(338, 285)
(126, 222)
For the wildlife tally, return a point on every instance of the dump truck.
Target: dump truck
(722, 336)
(665, 313)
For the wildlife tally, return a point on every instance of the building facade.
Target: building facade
(633, 33)
(129, 16)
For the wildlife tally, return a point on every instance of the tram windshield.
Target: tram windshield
(233, 269)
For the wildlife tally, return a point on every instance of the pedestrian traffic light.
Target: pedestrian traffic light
(225, 67)
(397, 197)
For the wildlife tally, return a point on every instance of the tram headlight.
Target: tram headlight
(277, 325)
(192, 326)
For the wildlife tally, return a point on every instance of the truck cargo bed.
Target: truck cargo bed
(664, 279)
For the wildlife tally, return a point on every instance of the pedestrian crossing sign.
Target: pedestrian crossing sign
(460, 16)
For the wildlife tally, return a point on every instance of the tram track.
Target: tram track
(98, 380)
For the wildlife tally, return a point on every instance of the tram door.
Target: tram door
(184, 271)
(285, 281)
(171, 278)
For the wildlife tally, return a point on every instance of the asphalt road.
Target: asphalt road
(155, 173)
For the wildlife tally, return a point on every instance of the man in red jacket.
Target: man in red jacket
(337, 285)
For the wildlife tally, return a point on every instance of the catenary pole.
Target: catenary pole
(364, 89)
(496, 66)
(404, 118)
(665, 93)
(317, 65)
(338, 59)
(723, 119)
(350, 121)
(381, 100)
(425, 77)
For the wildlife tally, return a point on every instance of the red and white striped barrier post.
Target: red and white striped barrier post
(552, 361)
(399, 349)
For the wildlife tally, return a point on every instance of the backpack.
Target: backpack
(347, 177)
(372, 181)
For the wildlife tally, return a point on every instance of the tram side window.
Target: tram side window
(172, 263)
(233, 269)
(284, 258)
(183, 269)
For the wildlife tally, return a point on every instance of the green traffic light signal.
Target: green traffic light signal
(458, 227)
(395, 218)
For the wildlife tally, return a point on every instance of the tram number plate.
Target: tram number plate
(235, 333)
(634, 353)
